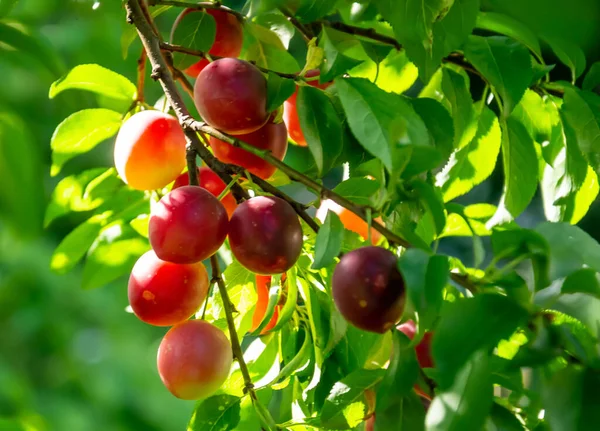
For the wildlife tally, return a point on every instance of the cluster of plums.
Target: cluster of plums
(189, 224)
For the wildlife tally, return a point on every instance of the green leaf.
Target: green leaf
(335, 62)
(570, 248)
(80, 133)
(329, 241)
(431, 199)
(311, 10)
(456, 90)
(19, 38)
(449, 33)
(473, 163)
(438, 122)
(537, 115)
(297, 362)
(5, 8)
(502, 419)
(195, 30)
(395, 73)
(217, 413)
(505, 64)
(264, 47)
(76, 244)
(279, 25)
(568, 53)
(278, 90)
(407, 414)
(509, 26)
(487, 318)
(591, 82)
(570, 398)
(129, 33)
(97, 79)
(345, 407)
(376, 51)
(583, 281)
(21, 177)
(321, 126)
(358, 190)
(465, 405)
(476, 215)
(520, 170)
(112, 255)
(425, 277)
(581, 111)
(382, 122)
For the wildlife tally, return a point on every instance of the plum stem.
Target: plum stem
(234, 180)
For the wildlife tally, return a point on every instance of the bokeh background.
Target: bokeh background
(72, 359)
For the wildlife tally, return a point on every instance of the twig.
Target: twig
(305, 32)
(190, 156)
(368, 33)
(149, 19)
(141, 76)
(197, 6)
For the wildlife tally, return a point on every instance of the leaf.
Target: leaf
(278, 24)
(503, 419)
(570, 398)
(321, 126)
(264, 47)
(217, 413)
(591, 82)
(537, 115)
(568, 53)
(112, 255)
(130, 33)
(438, 122)
(473, 163)
(21, 39)
(278, 90)
(195, 30)
(431, 200)
(21, 176)
(465, 405)
(449, 33)
(425, 277)
(570, 248)
(297, 362)
(456, 90)
(394, 74)
(311, 10)
(581, 111)
(520, 170)
(329, 241)
(381, 121)
(335, 62)
(509, 26)
(345, 407)
(80, 133)
(506, 65)
(583, 281)
(376, 51)
(97, 79)
(358, 190)
(75, 245)
(5, 8)
(487, 318)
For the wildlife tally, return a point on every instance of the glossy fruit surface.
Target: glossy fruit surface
(271, 136)
(163, 293)
(187, 225)
(368, 289)
(231, 95)
(210, 181)
(423, 349)
(228, 37)
(265, 235)
(149, 151)
(194, 359)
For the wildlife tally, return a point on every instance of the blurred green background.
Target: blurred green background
(72, 359)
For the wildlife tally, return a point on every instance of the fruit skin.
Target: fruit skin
(263, 284)
(290, 112)
(187, 225)
(368, 289)
(349, 220)
(149, 150)
(265, 235)
(231, 95)
(423, 349)
(271, 136)
(163, 293)
(210, 181)
(229, 38)
(194, 359)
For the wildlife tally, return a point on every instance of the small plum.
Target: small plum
(149, 150)
(423, 349)
(231, 95)
(228, 37)
(265, 235)
(272, 137)
(213, 183)
(194, 359)
(187, 225)
(163, 293)
(368, 289)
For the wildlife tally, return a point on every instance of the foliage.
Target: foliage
(415, 131)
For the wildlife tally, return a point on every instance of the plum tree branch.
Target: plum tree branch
(141, 76)
(197, 6)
